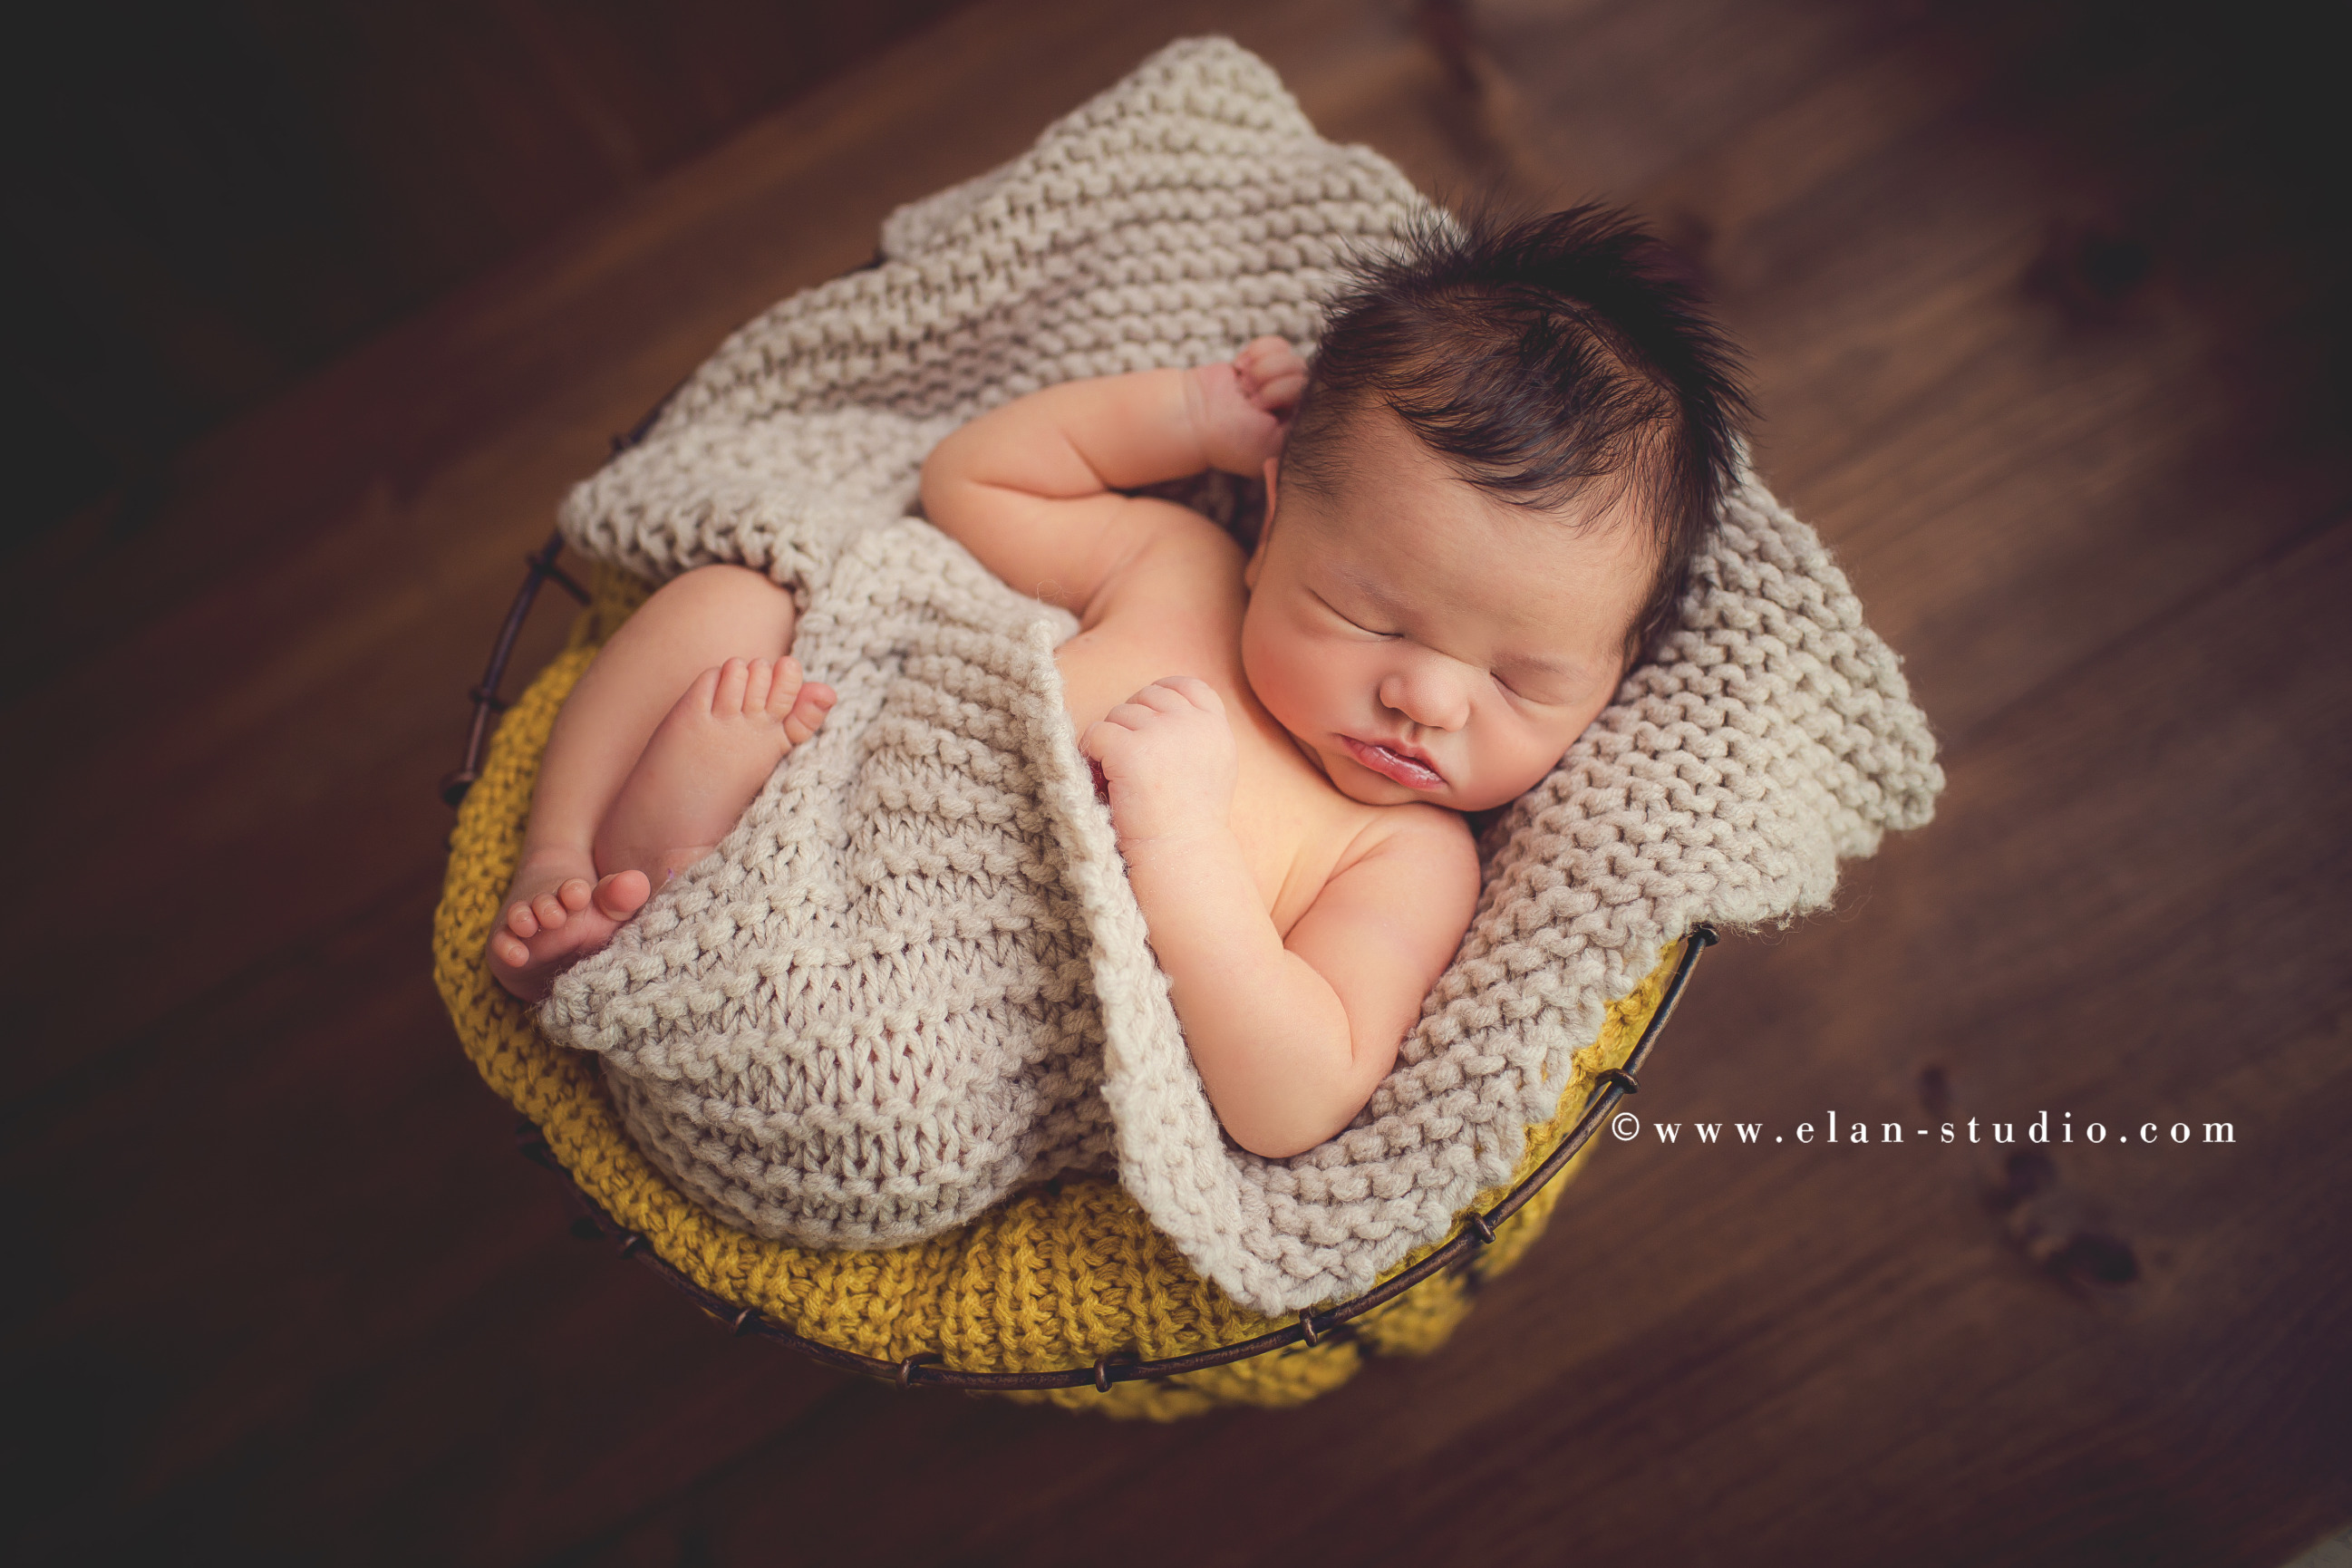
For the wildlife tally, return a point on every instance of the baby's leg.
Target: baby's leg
(707, 758)
(559, 906)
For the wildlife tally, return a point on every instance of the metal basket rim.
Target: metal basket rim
(1310, 1328)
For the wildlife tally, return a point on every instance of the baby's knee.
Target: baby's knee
(737, 592)
(734, 582)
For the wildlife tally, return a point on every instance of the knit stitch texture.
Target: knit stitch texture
(914, 977)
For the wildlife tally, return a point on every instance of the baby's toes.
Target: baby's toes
(521, 921)
(761, 681)
(810, 705)
(623, 894)
(782, 688)
(734, 680)
(697, 697)
(549, 912)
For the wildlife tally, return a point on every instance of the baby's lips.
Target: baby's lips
(1394, 765)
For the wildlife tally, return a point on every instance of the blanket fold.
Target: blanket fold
(914, 977)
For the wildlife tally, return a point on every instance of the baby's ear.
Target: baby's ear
(1265, 528)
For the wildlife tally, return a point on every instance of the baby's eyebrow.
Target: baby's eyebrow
(1369, 587)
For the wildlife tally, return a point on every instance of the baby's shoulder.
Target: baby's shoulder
(1174, 555)
(1429, 839)
(1407, 884)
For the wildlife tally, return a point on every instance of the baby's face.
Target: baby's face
(1424, 641)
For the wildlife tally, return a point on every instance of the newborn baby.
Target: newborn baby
(1481, 503)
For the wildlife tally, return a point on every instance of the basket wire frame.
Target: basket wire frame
(927, 1368)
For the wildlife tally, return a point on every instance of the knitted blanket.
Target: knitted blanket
(914, 977)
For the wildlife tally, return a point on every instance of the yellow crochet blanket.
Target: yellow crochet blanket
(1055, 1277)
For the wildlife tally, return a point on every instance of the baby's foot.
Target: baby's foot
(707, 758)
(558, 912)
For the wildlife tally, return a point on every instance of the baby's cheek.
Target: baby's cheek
(1272, 662)
(1531, 763)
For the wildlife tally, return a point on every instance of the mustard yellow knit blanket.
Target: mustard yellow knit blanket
(914, 977)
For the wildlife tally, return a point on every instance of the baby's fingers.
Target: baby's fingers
(1279, 395)
(1101, 736)
(1272, 374)
(1109, 743)
(1265, 358)
(1134, 714)
(1180, 691)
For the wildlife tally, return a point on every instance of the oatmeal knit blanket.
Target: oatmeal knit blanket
(914, 977)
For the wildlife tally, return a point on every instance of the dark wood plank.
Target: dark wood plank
(1754, 1351)
(437, 455)
(225, 197)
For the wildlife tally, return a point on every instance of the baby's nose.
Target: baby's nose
(1427, 698)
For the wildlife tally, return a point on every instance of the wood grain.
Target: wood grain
(2041, 338)
(225, 198)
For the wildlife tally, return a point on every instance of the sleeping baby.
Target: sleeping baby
(1482, 502)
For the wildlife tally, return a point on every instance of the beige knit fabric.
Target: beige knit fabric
(914, 977)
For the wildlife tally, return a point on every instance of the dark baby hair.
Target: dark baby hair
(1539, 357)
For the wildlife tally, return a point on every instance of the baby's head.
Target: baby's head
(1513, 443)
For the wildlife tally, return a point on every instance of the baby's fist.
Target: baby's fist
(1244, 407)
(1167, 759)
(1270, 373)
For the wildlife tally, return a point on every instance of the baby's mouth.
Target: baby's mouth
(1410, 771)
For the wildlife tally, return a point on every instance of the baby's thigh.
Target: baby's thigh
(706, 616)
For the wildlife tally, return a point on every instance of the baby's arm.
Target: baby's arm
(1291, 1037)
(1290, 1040)
(1031, 487)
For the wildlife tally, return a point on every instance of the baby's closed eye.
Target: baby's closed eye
(1341, 615)
(1539, 688)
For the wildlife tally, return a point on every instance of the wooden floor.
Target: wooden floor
(2044, 349)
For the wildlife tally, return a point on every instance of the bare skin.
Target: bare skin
(639, 782)
(1288, 737)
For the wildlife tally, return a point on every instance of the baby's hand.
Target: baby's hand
(1167, 755)
(1244, 407)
